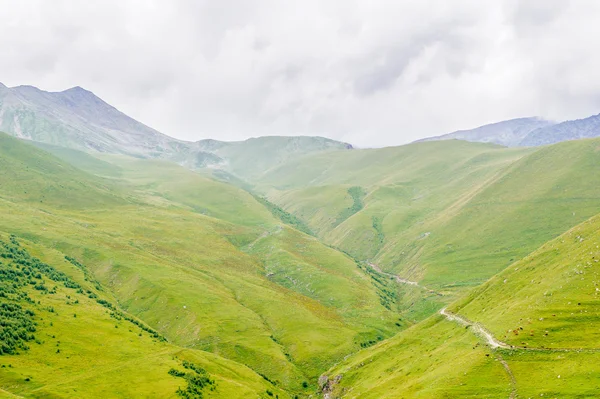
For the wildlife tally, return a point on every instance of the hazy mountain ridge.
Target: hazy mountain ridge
(76, 118)
(568, 130)
(509, 133)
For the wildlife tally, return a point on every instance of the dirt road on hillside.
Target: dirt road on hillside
(402, 280)
(480, 330)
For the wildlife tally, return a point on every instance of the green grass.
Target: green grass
(83, 349)
(242, 293)
(433, 359)
(185, 254)
(449, 214)
(548, 299)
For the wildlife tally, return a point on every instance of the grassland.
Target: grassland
(192, 257)
(543, 306)
(84, 347)
(548, 299)
(449, 214)
(266, 294)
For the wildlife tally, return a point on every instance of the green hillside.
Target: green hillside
(543, 312)
(252, 158)
(549, 299)
(331, 265)
(449, 214)
(62, 336)
(34, 176)
(194, 259)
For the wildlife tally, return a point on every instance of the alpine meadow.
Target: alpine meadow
(304, 219)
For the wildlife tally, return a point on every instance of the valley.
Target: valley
(436, 269)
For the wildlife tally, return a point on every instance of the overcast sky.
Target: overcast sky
(370, 72)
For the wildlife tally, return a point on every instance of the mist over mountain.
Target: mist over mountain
(569, 130)
(509, 133)
(78, 119)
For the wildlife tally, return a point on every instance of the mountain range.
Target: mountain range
(133, 264)
(78, 119)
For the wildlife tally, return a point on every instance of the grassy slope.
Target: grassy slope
(204, 285)
(251, 158)
(23, 168)
(547, 300)
(552, 294)
(81, 160)
(434, 359)
(450, 214)
(81, 351)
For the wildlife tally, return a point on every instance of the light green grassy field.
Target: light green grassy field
(544, 305)
(266, 301)
(192, 258)
(84, 349)
(449, 214)
(549, 299)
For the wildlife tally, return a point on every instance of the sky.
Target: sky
(368, 72)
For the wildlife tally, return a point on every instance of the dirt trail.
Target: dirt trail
(513, 381)
(403, 280)
(479, 330)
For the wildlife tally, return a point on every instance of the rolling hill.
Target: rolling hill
(229, 278)
(542, 312)
(448, 214)
(134, 264)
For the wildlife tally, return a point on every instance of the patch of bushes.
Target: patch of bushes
(284, 216)
(18, 270)
(197, 380)
(357, 194)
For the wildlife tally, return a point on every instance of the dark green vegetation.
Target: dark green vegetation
(197, 380)
(18, 270)
(133, 275)
(357, 194)
(284, 216)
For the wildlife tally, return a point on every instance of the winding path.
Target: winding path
(403, 280)
(480, 330)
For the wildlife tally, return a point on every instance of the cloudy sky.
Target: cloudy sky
(371, 72)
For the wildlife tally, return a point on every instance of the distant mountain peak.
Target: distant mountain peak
(508, 133)
(77, 89)
(569, 130)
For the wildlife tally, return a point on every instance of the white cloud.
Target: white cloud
(371, 72)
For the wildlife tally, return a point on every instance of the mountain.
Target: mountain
(210, 267)
(290, 267)
(569, 130)
(447, 214)
(508, 133)
(78, 119)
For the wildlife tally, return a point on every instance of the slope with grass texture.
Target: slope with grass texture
(548, 299)
(81, 348)
(34, 176)
(450, 214)
(203, 285)
(544, 305)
